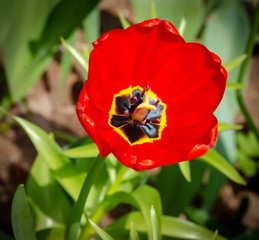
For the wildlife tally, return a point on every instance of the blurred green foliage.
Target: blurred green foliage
(31, 34)
(29, 37)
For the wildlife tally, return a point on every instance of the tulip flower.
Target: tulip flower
(150, 96)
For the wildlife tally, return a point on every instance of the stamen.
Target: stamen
(126, 113)
(144, 91)
(133, 99)
(155, 120)
(157, 102)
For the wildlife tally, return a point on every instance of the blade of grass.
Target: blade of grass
(124, 23)
(227, 126)
(153, 9)
(234, 86)
(216, 160)
(185, 170)
(233, 64)
(66, 65)
(133, 233)
(182, 26)
(79, 58)
(101, 233)
(156, 232)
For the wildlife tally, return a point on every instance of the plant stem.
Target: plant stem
(249, 51)
(77, 211)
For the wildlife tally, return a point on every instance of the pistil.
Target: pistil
(143, 109)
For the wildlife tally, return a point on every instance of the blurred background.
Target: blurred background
(40, 81)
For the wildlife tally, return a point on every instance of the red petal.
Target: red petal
(128, 57)
(182, 141)
(191, 83)
(217, 59)
(110, 67)
(150, 23)
(175, 146)
(156, 21)
(92, 120)
(99, 41)
(139, 157)
(154, 40)
(202, 148)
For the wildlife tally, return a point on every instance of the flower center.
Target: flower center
(138, 115)
(143, 107)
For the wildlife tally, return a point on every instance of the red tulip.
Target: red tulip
(150, 97)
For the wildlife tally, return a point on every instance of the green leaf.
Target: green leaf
(199, 216)
(185, 170)
(233, 64)
(107, 204)
(227, 126)
(119, 197)
(22, 222)
(99, 190)
(63, 19)
(101, 233)
(91, 25)
(79, 58)
(85, 151)
(124, 23)
(133, 233)
(43, 191)
(43, 143)
(142, 198)
(54, 233)
(147, 197)
(215, 237)
(156, 232)
(5, 17)
(26, 23)
(216, 160)
(184, 229)
(234, 86)
(64, 171)
(170, 226)
(173, 188)
(248, 143)
(66, 64)
(247, 164)
(182, 26)
(216, 179)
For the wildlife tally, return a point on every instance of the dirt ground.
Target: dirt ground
(17, 152)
